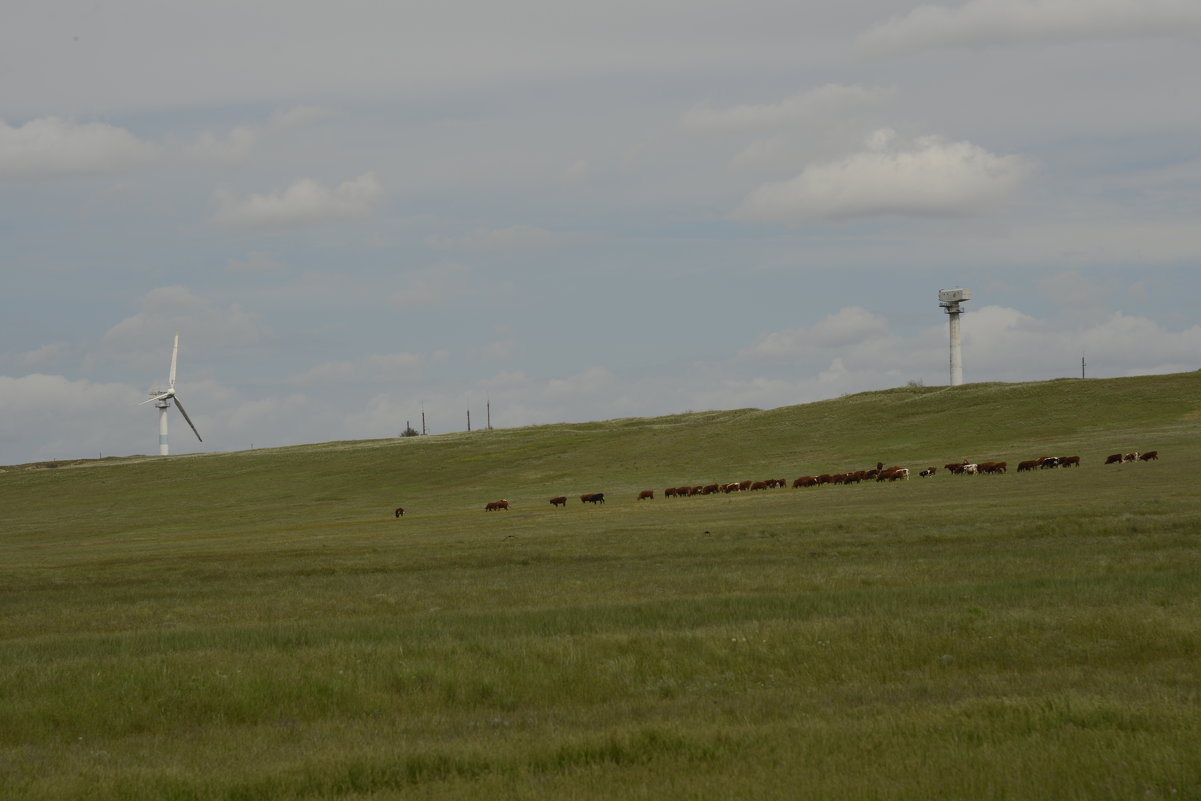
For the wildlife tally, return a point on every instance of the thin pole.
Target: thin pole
(468, 419)
(1082, 366)
(956, 347)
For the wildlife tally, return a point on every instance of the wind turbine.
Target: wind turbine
(162, 399)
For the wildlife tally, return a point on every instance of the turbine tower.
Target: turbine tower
(950, 299)
(162, 399)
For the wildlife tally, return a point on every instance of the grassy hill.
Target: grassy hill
(258, 625)
(340, 481)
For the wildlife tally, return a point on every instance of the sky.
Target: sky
(360, 213)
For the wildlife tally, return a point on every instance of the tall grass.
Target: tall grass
(258, 625)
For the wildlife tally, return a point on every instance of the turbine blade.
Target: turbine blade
(179, 406)
(174, 354)
(156, 398)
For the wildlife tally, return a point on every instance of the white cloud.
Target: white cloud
(51, 147)
(305, 201)
(982, 23)
(52, 417)
(930, 177)
(375, 367)
(256, 262)
(851, 325)
(434, 286)
(592, 381)
(145, 338)
(39, 358)
(512, 239)
(298, 116)
(235, 147)
(814, 105)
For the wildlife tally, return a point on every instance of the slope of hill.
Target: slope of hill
(915, 426)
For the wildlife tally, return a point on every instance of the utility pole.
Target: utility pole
(468, 419)
(1082, 365)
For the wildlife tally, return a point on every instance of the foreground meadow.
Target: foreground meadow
(169, 633)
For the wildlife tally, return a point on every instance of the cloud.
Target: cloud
(255, 263)
(982, 23)
(434, 286)
(304, 202)
(593, 381)
(812, 105)
(515, 238)
(53, 417)
(144, 339)
(930, 177)
(298, 116)
(376, 367)
(851, 325)
(236, 146)
(39, 358)
(51, 147)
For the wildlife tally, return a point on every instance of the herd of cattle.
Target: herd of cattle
(878, 473)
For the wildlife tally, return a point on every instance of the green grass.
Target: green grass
(257, 625)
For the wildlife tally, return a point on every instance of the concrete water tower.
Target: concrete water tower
(950, 299)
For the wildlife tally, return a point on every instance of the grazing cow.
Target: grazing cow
(399, 512)
(893, 474)
(992, 468)
(805, 481)
(1130, 457)
(646, 495)
(710, 489)
(1148, 456)
(758, 485)
(495, 505)
(1048, 462)
(1113, 458)
(971, 469)
(1029, 464)
(559, 501)
(954, 468)
(670, 492)
(1069, 461)
(593, 498)
(929, 471)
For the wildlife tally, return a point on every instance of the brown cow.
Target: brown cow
(399, 512)
(592, 498)
(1069, 461)
(1148, 456)
(670, 492)
(559, 501)
(805, 481)
(1113, 458)
(646, 495)
(495, 505)
(1029, 464)
(1130, 457)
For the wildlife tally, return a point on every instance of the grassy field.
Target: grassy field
(258, 625)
